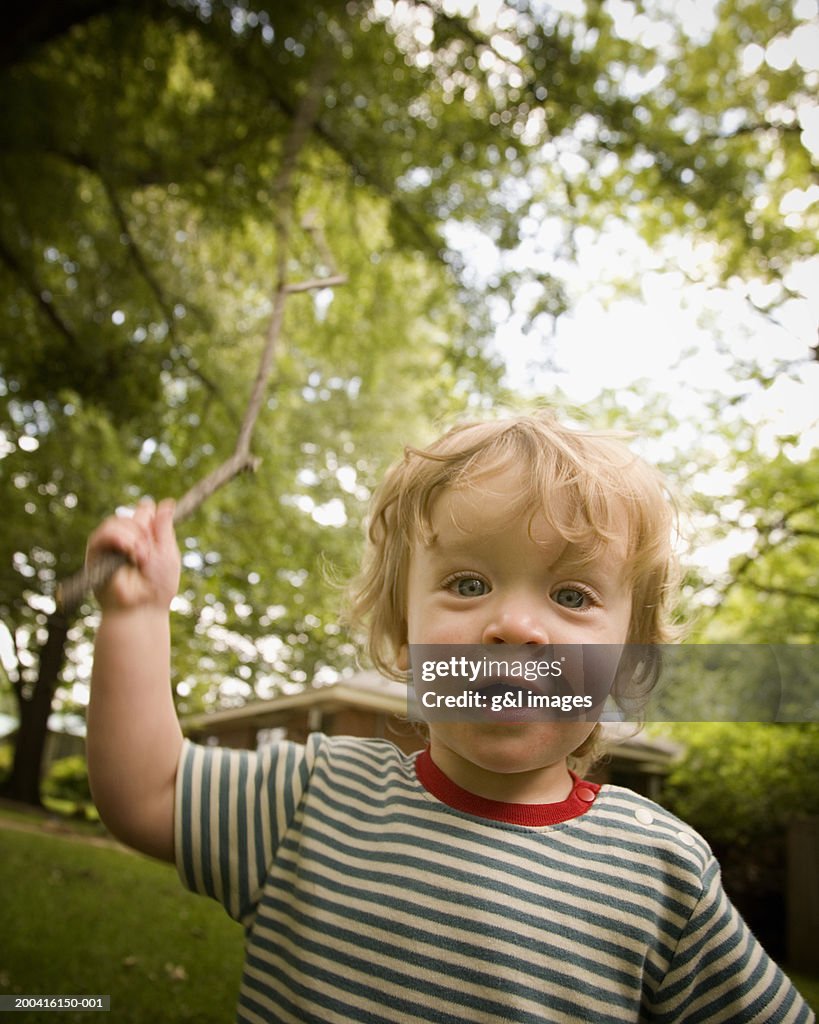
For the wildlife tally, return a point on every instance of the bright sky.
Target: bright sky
(671, 333)
(677, 340)
(670, 338)
(681, 339)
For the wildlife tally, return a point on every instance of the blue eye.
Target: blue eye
(570, 597)
(470, 586)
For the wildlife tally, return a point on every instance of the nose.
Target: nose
(516, 621)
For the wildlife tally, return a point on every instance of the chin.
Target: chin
(510, 748)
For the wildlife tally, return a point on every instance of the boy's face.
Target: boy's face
(491, 578)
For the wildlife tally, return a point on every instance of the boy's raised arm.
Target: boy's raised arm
(134, 738)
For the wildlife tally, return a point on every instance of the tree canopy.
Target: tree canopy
(163, 164)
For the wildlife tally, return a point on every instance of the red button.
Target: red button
(585, 794)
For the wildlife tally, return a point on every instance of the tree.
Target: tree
(140, 230)
(741, 786)
(140, 277)
(771, 594)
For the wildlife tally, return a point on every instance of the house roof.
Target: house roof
(631, 745)
(372, 692)
(366, 690)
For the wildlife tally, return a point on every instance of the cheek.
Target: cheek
(440, 629)
(577, 733)
(563, 736)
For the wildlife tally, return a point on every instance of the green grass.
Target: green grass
(83, 919)
(808, 986)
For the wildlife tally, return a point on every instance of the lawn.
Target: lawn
(808, 986)
(80, 919)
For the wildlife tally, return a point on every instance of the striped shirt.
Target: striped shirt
(366, 898)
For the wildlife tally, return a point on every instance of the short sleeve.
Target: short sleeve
(720, 974)
(232, 809)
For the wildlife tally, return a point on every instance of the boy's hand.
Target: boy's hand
(148, 541)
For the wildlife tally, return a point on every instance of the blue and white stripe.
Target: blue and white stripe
(365, 899)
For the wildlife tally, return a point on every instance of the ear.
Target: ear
(402, 658)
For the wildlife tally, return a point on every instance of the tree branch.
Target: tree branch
(751, 129)
(40, 295)
(150, 278)
(782, 522)
(807, 595)
(797, 531)
(71, 592)
(136, 253)
(315, 282)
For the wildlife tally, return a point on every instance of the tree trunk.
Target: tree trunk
(23, 784)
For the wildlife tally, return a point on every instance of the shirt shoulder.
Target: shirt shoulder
(371, 764)
(634, 818)
(376, 751)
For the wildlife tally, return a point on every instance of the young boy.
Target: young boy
(480, 880)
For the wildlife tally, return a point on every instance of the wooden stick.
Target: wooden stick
(71, 592)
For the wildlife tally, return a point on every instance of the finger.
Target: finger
(163, 521)
(144, 512)
(115, 534)
(163, 533)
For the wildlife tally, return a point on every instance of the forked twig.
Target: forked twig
(71, 592)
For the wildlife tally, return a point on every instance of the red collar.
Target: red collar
(444, 789)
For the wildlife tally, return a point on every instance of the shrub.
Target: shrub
(67, 780)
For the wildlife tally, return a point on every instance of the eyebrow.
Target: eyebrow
(572, 559)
